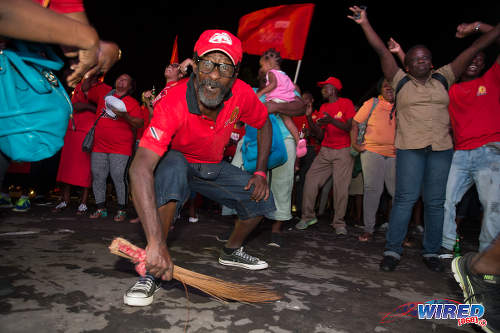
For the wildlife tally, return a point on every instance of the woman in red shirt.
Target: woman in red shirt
(113, 142)
(74, 166)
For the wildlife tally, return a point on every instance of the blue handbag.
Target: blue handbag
(278, 154)
(34, 106)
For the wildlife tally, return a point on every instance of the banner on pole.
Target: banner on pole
(284, 28)
(175, 53)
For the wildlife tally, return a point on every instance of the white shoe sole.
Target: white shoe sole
(262, 265)
(138, 301)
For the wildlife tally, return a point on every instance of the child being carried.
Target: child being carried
(280, 89)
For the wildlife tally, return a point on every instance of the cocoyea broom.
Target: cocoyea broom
(220, 289)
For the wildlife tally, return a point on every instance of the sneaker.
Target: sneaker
(224, 237)
(302, 224)
(82, 209)
(101, 212)
(239, 258)
(388, 263)
(142, 292)
(434, 264)
(60, 207)
(479, 289)
(340, 231)
(193, 219)
(5, 201)
(276, 240)
(384, 226)
(22, 205)
(445, 253)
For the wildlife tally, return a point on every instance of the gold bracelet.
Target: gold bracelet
(119, 54)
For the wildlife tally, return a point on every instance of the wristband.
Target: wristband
(260, 173)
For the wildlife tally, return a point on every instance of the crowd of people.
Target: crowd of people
(427, 133)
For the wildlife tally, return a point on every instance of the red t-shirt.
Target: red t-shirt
(178, 122)
(301, 121)
(114, 136)
(342, 110)
(63, 6)
(236, 135)
(475, 110)
(83, 119)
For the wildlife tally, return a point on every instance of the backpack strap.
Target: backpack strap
(406, 78)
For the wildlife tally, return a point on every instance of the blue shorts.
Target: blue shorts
(176, 178)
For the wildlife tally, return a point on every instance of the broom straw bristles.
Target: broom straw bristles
(217, 288)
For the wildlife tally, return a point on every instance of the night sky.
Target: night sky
(336, 46)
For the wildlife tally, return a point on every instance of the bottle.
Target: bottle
(302, 132)
(456, 248)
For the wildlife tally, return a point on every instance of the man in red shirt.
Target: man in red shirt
(182, 151)
(334, 158)
(475, 118)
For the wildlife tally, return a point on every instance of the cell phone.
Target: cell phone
(358, 15)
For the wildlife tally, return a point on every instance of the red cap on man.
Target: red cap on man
(333, 81)
(220, 40)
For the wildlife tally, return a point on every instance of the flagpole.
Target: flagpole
(297, 71)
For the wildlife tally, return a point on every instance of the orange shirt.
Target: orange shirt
(380, 130)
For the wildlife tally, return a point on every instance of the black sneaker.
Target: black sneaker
(239, 258)
(388, 263)
(276, 240)
(434, 264)
(479, 289)
(224, 237)
(142, 292)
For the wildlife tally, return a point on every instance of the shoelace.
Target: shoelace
(144, 284)
(245, 255)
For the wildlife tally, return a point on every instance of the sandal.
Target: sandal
(101, 212)
(120, 216)
(365, 237)
(60, 207)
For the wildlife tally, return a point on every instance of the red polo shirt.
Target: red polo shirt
(475, 110)
(342, 110)
(179, 125)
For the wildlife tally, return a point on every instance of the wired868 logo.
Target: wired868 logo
(440, 309)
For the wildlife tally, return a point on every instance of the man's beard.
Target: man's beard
(211, 102)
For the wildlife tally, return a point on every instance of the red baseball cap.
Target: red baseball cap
(220, 40)
(333, 81)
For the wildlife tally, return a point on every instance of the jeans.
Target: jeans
(480, 166)
(222, 182)
(419, 171)
(377, 171)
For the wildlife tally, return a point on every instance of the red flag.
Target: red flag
(175, 53)
(284, 28)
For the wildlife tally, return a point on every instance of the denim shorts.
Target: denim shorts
(176, 178)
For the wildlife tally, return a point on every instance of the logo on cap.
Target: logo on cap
(221, 38)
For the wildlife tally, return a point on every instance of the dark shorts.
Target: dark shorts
(224, 183)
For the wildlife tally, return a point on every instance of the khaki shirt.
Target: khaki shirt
(422, 117)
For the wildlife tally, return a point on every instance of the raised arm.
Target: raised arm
(466, 29)
(396, 49)
(463, 59)
(389, 65)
